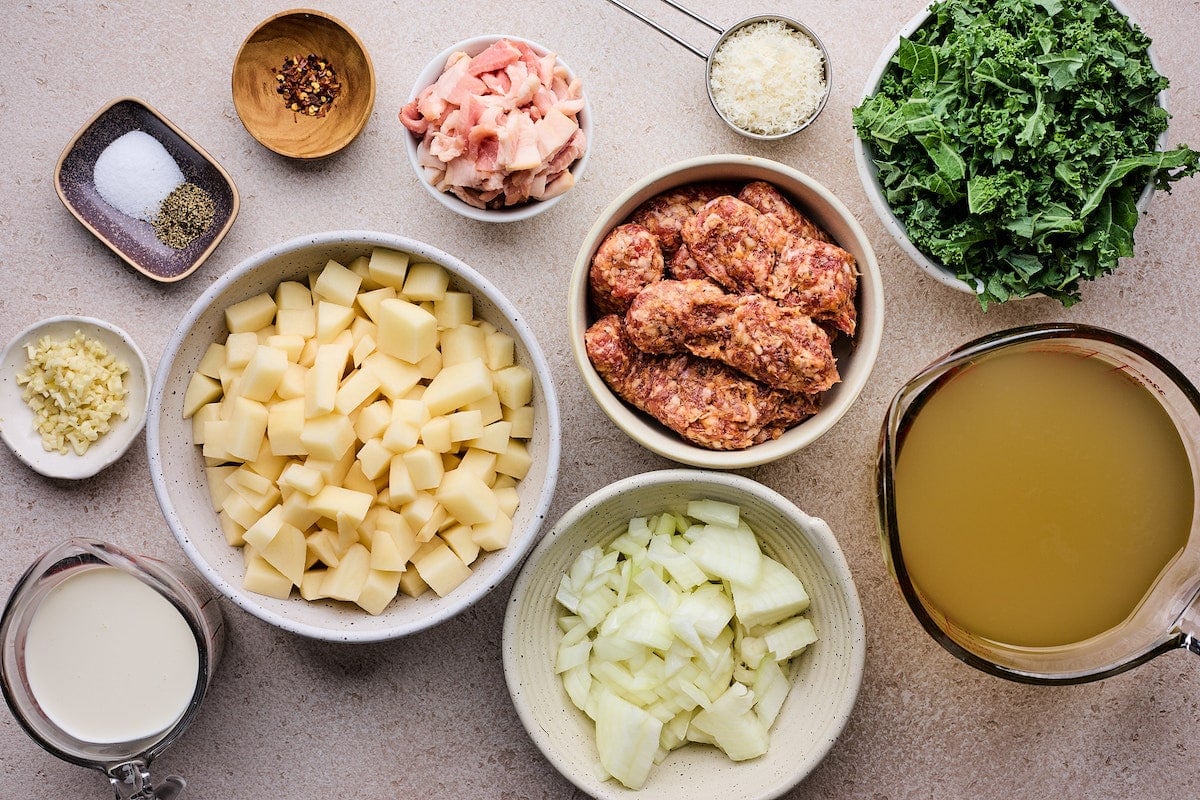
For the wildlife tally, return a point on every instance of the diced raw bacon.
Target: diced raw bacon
(496, 57)
(499, 128)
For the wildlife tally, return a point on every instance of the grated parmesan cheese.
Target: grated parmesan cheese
(767, 78)
(74, 387)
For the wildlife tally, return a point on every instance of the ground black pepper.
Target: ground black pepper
(308, 84)
(186, 213)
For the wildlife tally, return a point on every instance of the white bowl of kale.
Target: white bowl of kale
(1009, 146)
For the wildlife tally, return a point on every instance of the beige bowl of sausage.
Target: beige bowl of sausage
(855, 356)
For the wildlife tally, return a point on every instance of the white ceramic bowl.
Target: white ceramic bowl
(825, 678)
(524, 211)
(868, 173)
(177, 468)
(16, 418)
(856, 357)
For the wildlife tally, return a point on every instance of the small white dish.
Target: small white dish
(16, 418)
(517, 213)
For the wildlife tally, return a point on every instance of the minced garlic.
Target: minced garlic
(768, 78)
(74, 388)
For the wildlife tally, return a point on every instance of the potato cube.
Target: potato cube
(297, 322)
(308, 355)
(432, 525)
(332, 319)
(378, 591)
(247, 427)
(285, 423)
(430, 365)
(499, 348)
(515, 460)
(250, 315)
(435, 435)
(212, 360)
(439, 567)
(216, 441)
(206, 413)
(462, 343)
(465, 425)
(413, 412)
(323, 544)
(453, 309)
(263, 374)
(335, 471)
(291, 385)
(384, 553)
(262, 578)
(356, 481)
(375, 459)
(328, 437)
(302, 479)
(406, 331)
(310, 584)
(396, 378)
(493, 535)
(286, 552)
(369, 302)
(373, 420)
(425, 281)
(334, 500)
(459, 539)
(507, 499)
(359, 388)
(494, 439)
(293, 294)
(489, 407)
(363, 348)
(467, 497)
(481, 462)
(456, 386)
(235, 534)
(503, 482)
(218, 489)
(514, 386)
(424, 467)
(296, 511)
(239, 349)
(346, 580)
(419, 511)
(291, 344)
(412, 584)
(400, 484)
(323, 378)
(260, 534)
(521, 420)
(337, 284)
(249, 482)
(401, 436)
(201, 390)
(388, 267)
(360, 267)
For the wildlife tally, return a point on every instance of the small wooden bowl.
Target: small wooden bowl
(297, 33)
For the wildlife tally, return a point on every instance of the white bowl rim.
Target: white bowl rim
(516, 213)
(101, 455)
(246, 600)
(815, 529)
(867, 172)
(868, 338)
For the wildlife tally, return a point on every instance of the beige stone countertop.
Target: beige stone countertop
(429, 716)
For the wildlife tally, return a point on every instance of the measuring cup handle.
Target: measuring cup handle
(131, 781)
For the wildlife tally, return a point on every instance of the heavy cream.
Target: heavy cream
(109, 659)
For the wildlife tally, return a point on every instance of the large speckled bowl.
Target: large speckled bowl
(177, 468)
(825, 678)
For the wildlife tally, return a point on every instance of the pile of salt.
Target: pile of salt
(135, 174)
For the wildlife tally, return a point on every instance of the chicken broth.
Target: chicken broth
(1039, 494)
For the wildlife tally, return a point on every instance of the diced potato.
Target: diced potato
(507, 499)
(406, 330)
(308, 355)
(212, 360)
(494, 439)
(292, 294)
(378, 591)
(310, 584)
(435, 435)
(424, 467)
(481, 462)
(302, 478)
(401, 435)
(285, 423)
(291, 385)
(263, 374)
(489, 407)
(375, 459)
(262, 578)
(373, 420)
(388, 267)
(218, 487)
(201, 390)
(465, 425)
(359, 388)
(514, 386)
(425, 281)
(499, 348)
(432, 525)
(291, 344)
(235, 534)
(334, 500)
(370, 302)
(419, 511)
(430, 365)
(412, 584)
(360, 266)
(337, 284)
(247, 428)
(503, 482)
(346, 580)
(250, 315)
(323, 544)
(521, 420)
(260, 534)
(239, 349)
(515, 460)
(286, 552)
(243, 477)
(453, 309)
(363, 348)
(459, 539)
(456, 386)
(334, 472)
(462, 343)
(206, 413)
(439, 567)
(327, 437)
(332, 319)
(395, 377)
(297, 321)
(467, 497)
(296, 511)
(323, 378)
(493, 535)
(240, 510)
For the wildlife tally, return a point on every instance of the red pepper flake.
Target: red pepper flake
(308, 84)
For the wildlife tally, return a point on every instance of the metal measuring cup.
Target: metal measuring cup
(725, 34)
(125, 763)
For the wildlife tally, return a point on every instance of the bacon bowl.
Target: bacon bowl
(509, 213)
(855, 355)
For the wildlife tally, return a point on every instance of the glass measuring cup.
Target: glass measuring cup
(125, 761)
(1167, 616)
